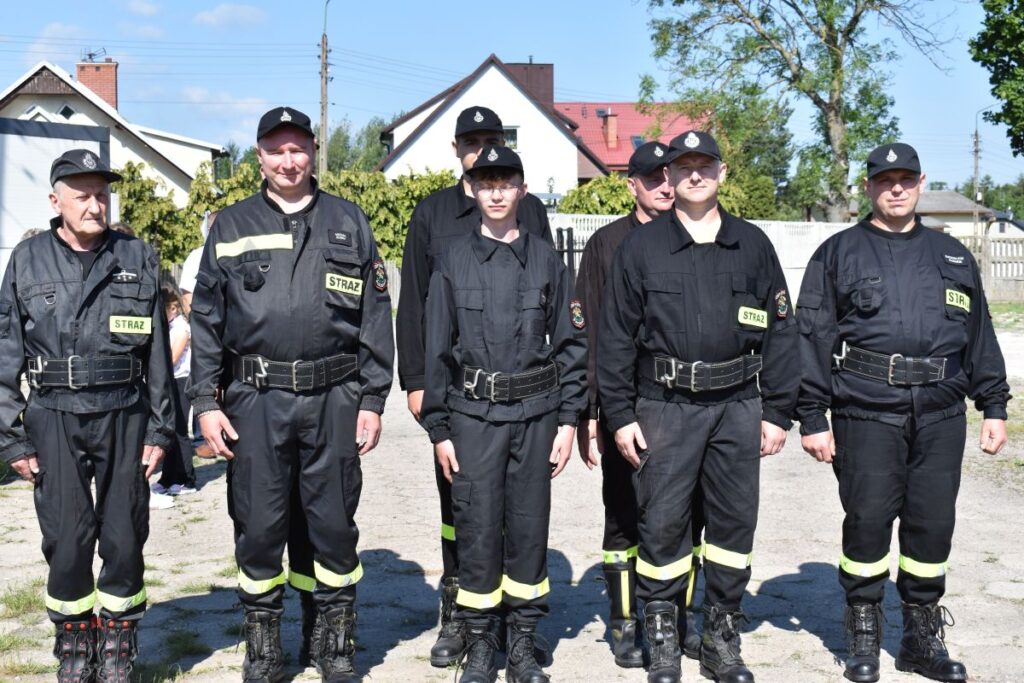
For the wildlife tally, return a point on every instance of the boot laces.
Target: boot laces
(523, 649)
(481, 649)
(933, 627)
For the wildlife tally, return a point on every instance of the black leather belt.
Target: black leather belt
(80, 372)
(300, 375)
(701, 376)
(896, 369)
(498, 388)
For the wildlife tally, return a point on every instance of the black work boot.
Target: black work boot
(522, 658)
(923, 650)
(75, 649)
(620, 578)
(263, 654)
(863, 642)
(451, 640)
(307, 648)
(337, 646)
(687, 617)
(116, 648)
(661, 622)
(479, 657)
(720, 658)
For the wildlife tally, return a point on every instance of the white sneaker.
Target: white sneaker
(160, 501)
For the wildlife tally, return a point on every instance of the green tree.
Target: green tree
(1006, 197)
(1000, 49)
(367, 150)
(606, 196)
(339, 147)
(816, 50)
(145, 205)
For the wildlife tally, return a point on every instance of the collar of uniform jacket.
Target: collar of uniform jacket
(56, 222)
(484, 247)
(678, 236)
(464, 204)
(890, 235)
(315, 189)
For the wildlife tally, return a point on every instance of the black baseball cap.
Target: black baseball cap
(80, 162)
(895, 155)
(477, 118)
(696, 142)
(649, 157)
(497, 157)
(283, 116)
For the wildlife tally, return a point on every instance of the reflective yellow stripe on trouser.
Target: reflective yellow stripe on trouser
(864, 569)
(666, 573)
(525, 591)
(329, 578)
(726, 558)
(618, 556)
(301, 582)
(258, 586)
(479, 601)
(71, 607)
(114, 603)
(447, 532)
(924, 570)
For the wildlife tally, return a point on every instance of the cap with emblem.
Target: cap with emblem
(477, 118)
(497, 157)
(696, 142)
(283, 116)
(649, 157)
(894, 155)
(80, 162)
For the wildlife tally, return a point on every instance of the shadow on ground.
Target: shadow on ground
(573, 605)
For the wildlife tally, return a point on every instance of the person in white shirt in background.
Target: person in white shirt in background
(186, 284)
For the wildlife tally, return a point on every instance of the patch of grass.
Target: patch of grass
(198, 587)
(233, 630)
(182, 644)
(15, 667)
(154, 582)
(22, 600)
(196, 519)
(155, 672)
(229, 571)
(13, 641)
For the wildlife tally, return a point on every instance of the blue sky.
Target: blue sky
(208, 70)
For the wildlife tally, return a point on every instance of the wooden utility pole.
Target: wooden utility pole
(976, 195)
(324, 133)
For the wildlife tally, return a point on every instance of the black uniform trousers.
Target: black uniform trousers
(718, 448)
(501, 499)
(449, 547)
(177, 465)
(286, 441)
(72, 451)
(887, 471)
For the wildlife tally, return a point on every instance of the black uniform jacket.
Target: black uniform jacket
(916, 293)
(48, 310)
(594, 266)
(506, 308)
(301, 286)
(436, 221)
(667, 295)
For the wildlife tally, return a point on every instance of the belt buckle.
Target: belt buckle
(670, 379)
(71, 367)
(295, 377)
(892, 366)
(841, 357)
(35, 368)
(693, 374)
(492, 378)
(470, 387)
(260, 371)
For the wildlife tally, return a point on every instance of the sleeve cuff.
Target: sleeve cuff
(593, 411)
(204, 404)
(814, 424)
(617, 422)
(17, 450)
(995, 412)
(568, 417)
(155, 438)
(776, 417)
(439, 432)
(412, 383)
(374, 404)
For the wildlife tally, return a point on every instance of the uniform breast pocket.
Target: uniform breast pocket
(343, 280)
(469, 315)
(254, 267)
(748, 299)
(40, 300)
(533, 317)
(130, 322)
(863, 292)
(664, 310)
(958, 292)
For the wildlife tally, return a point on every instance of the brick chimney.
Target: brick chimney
(610, 126)
(101, 78)
(537, 79)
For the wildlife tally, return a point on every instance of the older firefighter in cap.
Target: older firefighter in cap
(894, 333)
(697, 377)
(436, 222)
(648, 182)
(80, 311)
(292, 409)
(505, 349)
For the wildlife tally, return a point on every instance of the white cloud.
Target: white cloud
(49, 46)
(223, 104)
(143, 8)
(228, 14)
(142, 31)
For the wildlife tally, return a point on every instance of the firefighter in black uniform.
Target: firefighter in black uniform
(505, 369)
(291, 365)
(80, 311)
(894, 333)
(438, 220)
(695, 309)
(648, 182)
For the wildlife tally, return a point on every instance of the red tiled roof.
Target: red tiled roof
(630, 122)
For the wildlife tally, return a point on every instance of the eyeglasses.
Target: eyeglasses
(506, 191)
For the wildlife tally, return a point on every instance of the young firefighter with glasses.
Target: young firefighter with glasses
(505, 355)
